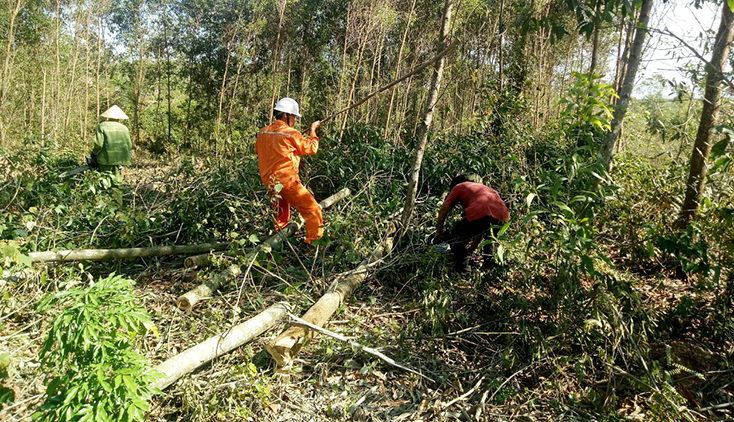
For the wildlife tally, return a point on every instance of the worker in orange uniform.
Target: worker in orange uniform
(279, 148)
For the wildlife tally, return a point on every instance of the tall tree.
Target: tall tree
(422, 134)
(709, 113)
(625, 93)
(7, 63)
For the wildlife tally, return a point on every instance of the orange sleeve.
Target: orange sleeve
(303, 145)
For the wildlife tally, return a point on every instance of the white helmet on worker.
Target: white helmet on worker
(287, 105)
(114, 112)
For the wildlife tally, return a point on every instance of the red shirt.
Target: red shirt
(478, 201)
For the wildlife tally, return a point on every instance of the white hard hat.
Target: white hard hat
(287, 105)
(114, 112)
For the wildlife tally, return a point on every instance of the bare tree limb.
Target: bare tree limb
(294, 320)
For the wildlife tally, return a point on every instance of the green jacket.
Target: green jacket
(112, 144)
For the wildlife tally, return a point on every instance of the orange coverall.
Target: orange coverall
(279, 148)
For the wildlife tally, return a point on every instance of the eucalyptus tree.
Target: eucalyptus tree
(6, 70)
(711, 101)
(625, 93)
(422, 135)
(134, 23)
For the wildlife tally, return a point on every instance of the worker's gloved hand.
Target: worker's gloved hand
(92, 162)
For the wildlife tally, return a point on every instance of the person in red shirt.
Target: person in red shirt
(483, 211)
(279, 148)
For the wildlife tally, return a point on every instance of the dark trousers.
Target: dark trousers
(463, 233)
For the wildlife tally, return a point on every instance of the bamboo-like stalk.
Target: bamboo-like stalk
(286, 346)
(104, 254)
(196, 356)
(205, 290)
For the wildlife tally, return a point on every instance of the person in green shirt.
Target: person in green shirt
(112, 144)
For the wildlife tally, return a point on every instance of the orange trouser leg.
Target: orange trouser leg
(298, 196)
(282, 211)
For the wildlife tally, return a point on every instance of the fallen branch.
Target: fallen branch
(196, 356)
(103, 254)
(287, 345)
(301, 323)
(205, 290)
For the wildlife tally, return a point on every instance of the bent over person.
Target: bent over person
(112, 144)
(483, 210)
(279, 148)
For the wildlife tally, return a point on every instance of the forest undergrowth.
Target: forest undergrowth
(582, 318)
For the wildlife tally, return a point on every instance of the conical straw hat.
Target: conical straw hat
(114, 112)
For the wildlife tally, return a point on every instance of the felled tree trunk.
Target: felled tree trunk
(199, 260)
(286, 346)
(103, 254)
(188, 300)
(194, 357)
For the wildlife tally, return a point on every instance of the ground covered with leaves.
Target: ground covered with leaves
(582, 318)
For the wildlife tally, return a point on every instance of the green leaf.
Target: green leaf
(4, 361)
(24, 260)
(719, 148)
(563, 207)
(529, 199)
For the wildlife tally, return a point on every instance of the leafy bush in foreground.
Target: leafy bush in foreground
(95, 372)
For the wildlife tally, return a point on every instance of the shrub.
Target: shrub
(95, 373)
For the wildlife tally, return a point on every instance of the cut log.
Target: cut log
(206, 289)
(194, 357)
(188, 300)
(286, 346)
(103, 254)
(200, 260)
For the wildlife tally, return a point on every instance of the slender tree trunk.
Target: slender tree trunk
(99, 64)
(397, 68)
(234, 94)
(619, 66)
(223, 88)
(427, 118)
(276, 58)
(168, 83)
(360, 54)
(406, 96)
(71, 88)
(57, 94)
(371, 83)
(702, 144)
(140, 77)
(345, 46)
(6, 73)
(594, 50)
(502, 47)
(625, 93)
(43, 108)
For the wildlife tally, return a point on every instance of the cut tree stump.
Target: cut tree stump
(188, 300)
(286, 346)
(104, 254)
(200, 260)
(196, 356)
